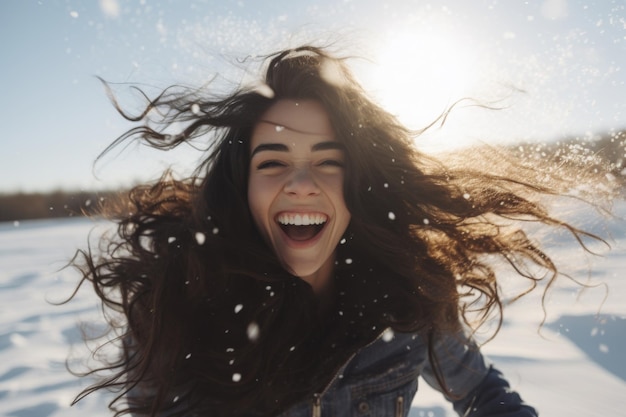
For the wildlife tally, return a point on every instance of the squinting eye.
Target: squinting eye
(270, 164)
(332, 163)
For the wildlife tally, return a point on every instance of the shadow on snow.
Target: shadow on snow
(602, 338)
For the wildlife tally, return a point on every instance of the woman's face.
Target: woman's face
(295, 188)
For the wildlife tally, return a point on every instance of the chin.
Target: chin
(303, 273)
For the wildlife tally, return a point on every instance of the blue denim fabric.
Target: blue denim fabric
(381, 380)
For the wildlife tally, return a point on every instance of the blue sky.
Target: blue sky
(568, 56)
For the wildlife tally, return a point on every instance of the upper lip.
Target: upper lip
(301, 218)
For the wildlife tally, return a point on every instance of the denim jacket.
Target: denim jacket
(380, 380)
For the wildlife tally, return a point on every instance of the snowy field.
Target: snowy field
(574, 366)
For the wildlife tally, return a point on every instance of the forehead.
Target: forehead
(306, 118)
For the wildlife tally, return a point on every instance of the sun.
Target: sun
(418, 74)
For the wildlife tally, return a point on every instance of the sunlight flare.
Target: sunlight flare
(418, 74)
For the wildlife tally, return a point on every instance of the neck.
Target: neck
(323, 284)
(326, 297)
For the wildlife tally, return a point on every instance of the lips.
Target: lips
(301, 227)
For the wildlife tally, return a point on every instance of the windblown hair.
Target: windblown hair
(212, 322)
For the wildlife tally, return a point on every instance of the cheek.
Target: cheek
(345, 218)
(259, 202)
(337, 194)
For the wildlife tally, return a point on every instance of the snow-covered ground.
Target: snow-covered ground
(573, 366)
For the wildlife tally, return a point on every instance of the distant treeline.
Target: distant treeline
(611, 148)
(26, 206)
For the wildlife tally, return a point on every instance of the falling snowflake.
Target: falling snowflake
(253, 331)
(200, 238)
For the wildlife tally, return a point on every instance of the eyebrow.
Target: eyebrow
(279, 147)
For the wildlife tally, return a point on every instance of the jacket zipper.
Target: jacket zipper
(400, 407)
(317, 397)
(317, 406)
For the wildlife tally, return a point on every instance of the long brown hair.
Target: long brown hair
(210, 318)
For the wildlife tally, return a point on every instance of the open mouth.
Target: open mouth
(302, 227)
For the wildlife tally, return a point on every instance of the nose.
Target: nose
(301, 183)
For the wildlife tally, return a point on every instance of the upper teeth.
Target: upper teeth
(301, 219)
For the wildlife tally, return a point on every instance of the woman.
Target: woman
(316, 264)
